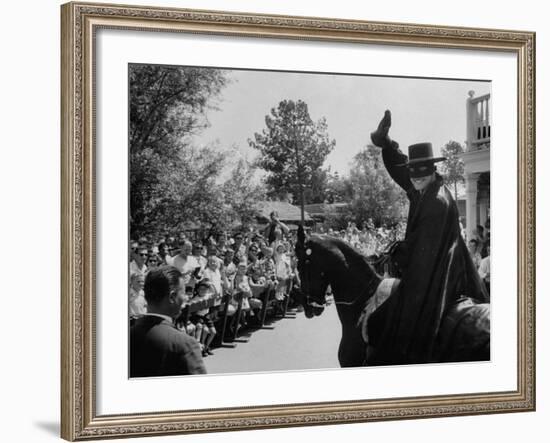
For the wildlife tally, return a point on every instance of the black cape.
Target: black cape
(437, 272)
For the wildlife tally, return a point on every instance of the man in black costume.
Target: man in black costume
(437, 270)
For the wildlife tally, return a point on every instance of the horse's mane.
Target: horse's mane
(354, 259)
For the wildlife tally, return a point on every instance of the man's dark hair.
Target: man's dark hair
(159, 282)
(473, 240)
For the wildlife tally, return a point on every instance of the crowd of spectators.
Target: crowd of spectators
(246, 272)
(479, 246)
(369, 240)
(229, 273)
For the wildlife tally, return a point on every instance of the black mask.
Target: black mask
(421, 169)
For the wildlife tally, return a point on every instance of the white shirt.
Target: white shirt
(202, 262)
(282, 266)
(485, 268)
(216, 278)
(135, 269)
(137, 302)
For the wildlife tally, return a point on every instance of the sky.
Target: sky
(423, 110)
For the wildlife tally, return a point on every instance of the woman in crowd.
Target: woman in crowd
(163, 253)
(239, 248)
(253, 251)
(137, 304)
(153, 260)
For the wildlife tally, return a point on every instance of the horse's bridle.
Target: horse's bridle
(305, 284)
(307, 277)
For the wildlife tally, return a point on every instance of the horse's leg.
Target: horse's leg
(352, 349)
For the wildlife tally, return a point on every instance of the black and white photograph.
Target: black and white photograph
(301, 220)
(273, 221)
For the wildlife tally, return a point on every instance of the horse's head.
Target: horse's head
(326, 260)
(312, 268)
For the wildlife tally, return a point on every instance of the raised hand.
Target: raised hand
(380, 137)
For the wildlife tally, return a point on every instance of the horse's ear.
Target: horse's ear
(301, 235)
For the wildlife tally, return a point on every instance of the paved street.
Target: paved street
(294, 342)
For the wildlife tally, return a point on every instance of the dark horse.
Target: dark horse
(324, 261)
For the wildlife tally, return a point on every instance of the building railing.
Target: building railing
(478, 122)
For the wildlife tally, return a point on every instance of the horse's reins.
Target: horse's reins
(368, 289)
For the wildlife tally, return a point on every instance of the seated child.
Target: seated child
(213, 274)
(241, 285)
(258, 286)
(204, 325)
(282, 271)
(185, 326)
(242, 289)
(270, 273)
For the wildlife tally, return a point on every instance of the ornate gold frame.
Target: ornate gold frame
(78, 416)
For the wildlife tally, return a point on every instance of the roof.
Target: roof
(320, 209)
(286, 211)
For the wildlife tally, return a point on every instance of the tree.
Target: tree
(375, 195)
(167, 106)
(241, 194)
(292, 149)
(317, 190)
(183, 193)
(339, 189)
(453, 167)
(168, 103)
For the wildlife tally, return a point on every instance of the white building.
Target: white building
(477, 161)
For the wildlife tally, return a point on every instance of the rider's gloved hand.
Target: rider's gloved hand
(380, 137)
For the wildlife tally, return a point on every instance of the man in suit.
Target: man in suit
(157, 348)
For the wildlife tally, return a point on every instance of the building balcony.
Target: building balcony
(478, 135)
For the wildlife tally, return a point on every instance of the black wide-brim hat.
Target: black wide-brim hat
(422, 153)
